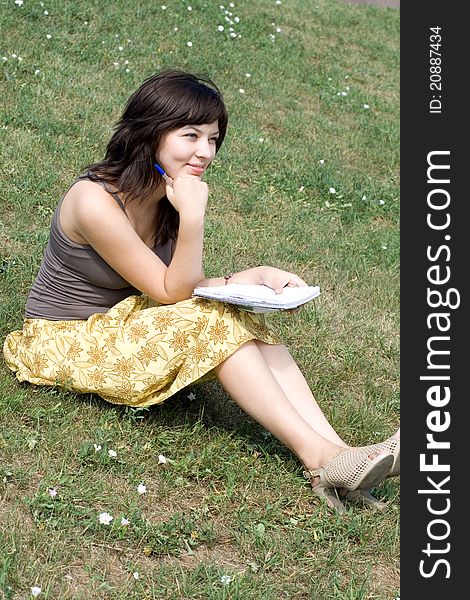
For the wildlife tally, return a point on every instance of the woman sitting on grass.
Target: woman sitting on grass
(111, 311)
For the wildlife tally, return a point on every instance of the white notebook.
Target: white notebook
(258, 298)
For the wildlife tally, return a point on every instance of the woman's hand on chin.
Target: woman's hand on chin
(188, 195)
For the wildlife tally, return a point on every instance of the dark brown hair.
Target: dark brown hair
(166, 101)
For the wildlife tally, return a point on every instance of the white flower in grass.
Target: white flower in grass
(14, 55)
(241, 90)
(220, 27)
(136, 575)
(384, 247)
(46, 12)
(248, 75)
(237, 19)
(162, 459)
(366, 106)
(344, 93)
(19, 3)
(163, 7)
(112, 453)
(52, 492)
(4, 58)
(97, 447)
(278, 29)
(35, 590)
(364, 197)
(332, 190)
(37, 71)
(225, 579)
(142, 489)
(381, 201)
(104, 518)
(322, 162)
(233, 34)
(278, 2)
(189, 44)
(261, 140)
(48, 36)
(232, 5)
(190, 8)
(124, 522)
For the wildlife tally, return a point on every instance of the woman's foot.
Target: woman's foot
(364, 497)
(392, 445)
(352, 469)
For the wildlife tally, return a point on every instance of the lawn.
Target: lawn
(308, 181)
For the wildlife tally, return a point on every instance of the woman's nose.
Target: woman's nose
(205, 149)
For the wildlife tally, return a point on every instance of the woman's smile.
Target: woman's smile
(197, 169)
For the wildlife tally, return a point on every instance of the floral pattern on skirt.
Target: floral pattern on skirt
(137, 353)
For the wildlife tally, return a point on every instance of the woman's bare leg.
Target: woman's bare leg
(248, 379)
(290, 378)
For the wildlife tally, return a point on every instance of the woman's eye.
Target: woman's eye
(194, 136)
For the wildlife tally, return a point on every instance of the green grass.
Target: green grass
(231, 500)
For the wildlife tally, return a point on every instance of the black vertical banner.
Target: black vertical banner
(435, 328)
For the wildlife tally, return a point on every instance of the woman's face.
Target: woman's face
(188, 150)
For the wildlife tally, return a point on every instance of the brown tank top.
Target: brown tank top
(74, 282)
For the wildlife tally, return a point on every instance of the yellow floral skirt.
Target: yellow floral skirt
(137, 353)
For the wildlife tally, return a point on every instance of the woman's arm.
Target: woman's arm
(185, 269)
(96, 217)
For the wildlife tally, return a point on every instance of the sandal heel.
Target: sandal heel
(328, 494)
(365, 498)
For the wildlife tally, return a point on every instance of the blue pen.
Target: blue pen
(162, 173)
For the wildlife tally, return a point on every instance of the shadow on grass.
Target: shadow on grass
(210, 407)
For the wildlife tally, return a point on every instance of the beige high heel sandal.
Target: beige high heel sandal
(351, 469)
(392, 445)
(364, 497)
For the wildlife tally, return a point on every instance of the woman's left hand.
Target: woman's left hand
(278, 279)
